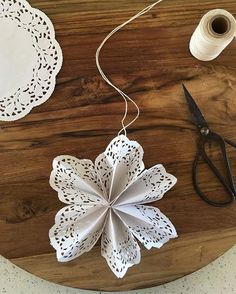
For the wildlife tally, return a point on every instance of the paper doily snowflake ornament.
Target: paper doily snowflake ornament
(30, 58)
(107, 199)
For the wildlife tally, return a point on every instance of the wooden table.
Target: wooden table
(149, 60)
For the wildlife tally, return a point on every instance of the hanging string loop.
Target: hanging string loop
(106, 79)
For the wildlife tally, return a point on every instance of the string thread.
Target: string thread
(106, 79)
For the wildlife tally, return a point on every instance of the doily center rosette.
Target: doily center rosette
(107, 199)
(30, 58)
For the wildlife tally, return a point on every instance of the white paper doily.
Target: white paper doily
(30, 58)
(107, 199)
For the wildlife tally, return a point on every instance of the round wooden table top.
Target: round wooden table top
(149, 60)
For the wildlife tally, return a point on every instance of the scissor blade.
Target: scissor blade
(197, 116)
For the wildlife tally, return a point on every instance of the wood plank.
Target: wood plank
(149, 59)
(158, 266)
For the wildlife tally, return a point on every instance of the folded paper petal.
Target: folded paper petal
(151, 227)
(76, 180)
(76, 196)
(77, 229)
(150, 186)
(119, 165)
(119, 247)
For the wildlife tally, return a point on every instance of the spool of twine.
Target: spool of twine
(215, 31)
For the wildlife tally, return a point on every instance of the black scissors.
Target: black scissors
(208, 137)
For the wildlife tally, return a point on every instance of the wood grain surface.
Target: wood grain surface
(149, 60)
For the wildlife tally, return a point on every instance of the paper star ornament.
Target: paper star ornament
(106, 199)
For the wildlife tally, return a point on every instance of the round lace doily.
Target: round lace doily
(30, 58)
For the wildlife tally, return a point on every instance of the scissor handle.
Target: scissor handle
(229, 186)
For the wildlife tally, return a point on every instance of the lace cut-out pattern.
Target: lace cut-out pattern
(105, 199)
(46, 58)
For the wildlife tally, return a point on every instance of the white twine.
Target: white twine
(125, 96)
(215, 31)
